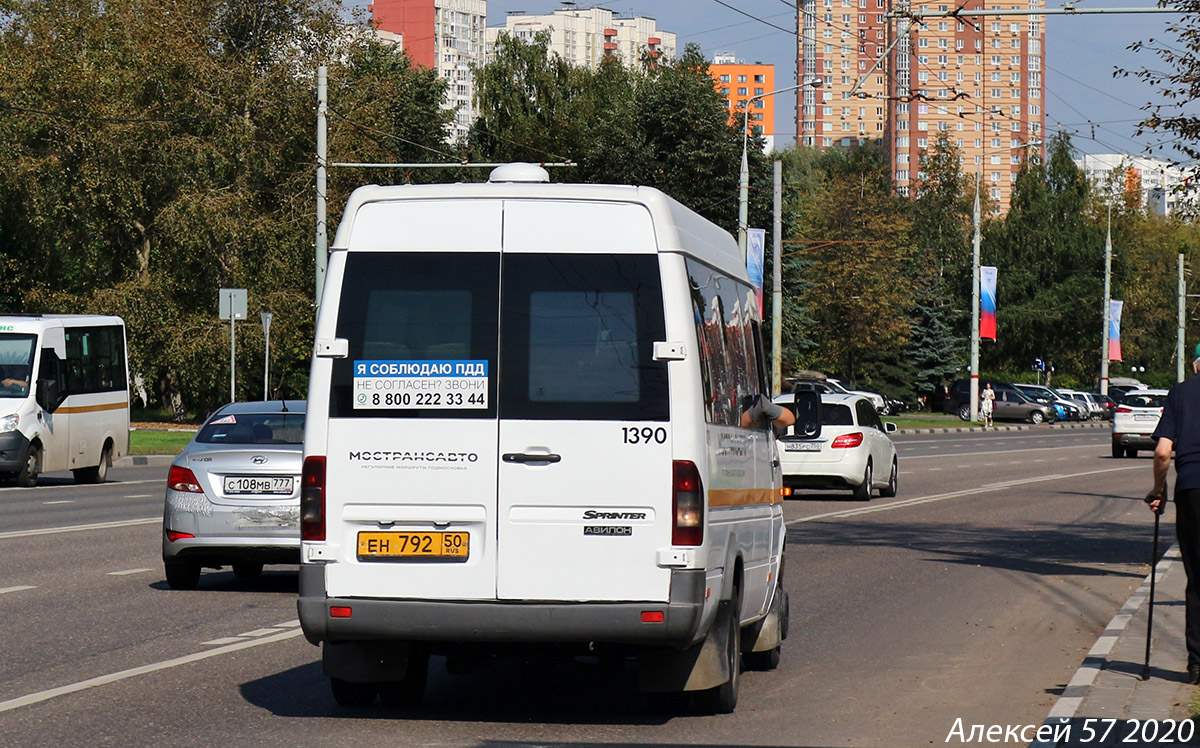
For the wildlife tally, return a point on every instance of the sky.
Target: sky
(1082, 51)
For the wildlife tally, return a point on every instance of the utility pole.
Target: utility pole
(777, 285)
(1179, 342)
(322, 243)
(1107, 304)
(974, 390)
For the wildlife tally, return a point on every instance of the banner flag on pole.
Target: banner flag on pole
(987, 303)
(1114, 329)
(756, 240)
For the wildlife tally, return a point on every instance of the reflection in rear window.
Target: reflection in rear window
(1144, 401)
(254, 428)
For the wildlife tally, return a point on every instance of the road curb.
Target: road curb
(1027, 427)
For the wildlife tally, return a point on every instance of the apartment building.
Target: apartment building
(587, 36)
(740, 82)
(975, 80)
(446, 35)
(1162, 188)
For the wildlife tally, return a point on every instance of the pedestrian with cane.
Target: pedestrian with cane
(1179, 432)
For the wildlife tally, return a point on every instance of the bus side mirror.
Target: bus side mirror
(807, 406)
(48, 394)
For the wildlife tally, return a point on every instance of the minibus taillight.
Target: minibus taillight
(312, 499)
(182, 479)
(687, 502)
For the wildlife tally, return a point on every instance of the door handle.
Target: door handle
(526, 457)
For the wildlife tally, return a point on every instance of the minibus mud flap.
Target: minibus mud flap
(699, 667)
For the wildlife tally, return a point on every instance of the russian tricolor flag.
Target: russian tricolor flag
(1114, 329)
(987, 303)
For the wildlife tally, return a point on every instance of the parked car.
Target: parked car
(957, 400)
(853, 451)
(1013, 405)
(1068, 410)
(876, 399)
(892, 406)
(233, 494)
(1095, 410)
(1135, 419)
(1107, 403)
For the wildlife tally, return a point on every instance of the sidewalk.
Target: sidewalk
(1008, 427)
(1109, 685)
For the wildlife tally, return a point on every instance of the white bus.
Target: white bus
(74, 413)
(528, 427)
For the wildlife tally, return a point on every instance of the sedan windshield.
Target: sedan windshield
(16, 363)
(254, 428)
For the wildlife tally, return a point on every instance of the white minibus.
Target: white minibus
(64, 396)
(527, 430)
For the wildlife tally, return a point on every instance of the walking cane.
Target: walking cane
(1153, 573)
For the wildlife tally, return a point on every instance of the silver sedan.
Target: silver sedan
(233, 494)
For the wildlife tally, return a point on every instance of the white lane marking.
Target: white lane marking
(996, 452)
(294, 623)
(933, 470)
(112, 484)
(142, 496)
(257, 633)
(18, 588)
(103, 680)
(126, 572)
(953, 495)
(79, 528)
(906, 472)
(223, 640)
(60, 501)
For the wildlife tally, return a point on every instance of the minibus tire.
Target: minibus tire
(411, 690)
(351, 695)
(723, 699)
(27, 476)
(97, 474)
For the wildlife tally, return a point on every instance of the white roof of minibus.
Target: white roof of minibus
(38, 322)
(677, 227)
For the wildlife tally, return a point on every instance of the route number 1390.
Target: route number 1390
(644, 435)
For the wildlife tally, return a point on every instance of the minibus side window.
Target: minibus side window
(726, 315)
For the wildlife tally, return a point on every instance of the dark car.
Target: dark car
(1107, 403)
(958, 400)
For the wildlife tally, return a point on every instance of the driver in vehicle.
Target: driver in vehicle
(14, 376)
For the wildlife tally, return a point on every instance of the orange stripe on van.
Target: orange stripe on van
(742, 496)
(93, 408)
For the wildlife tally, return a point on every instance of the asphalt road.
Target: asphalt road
(975, 593)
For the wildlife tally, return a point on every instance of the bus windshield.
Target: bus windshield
(16, 364)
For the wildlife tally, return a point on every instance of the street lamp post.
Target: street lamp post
(975, 240)
(744, 181)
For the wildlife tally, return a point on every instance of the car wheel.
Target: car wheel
(964, 412)
(1036, 417)
(97, 474)
(892, 487)
(1130, 452)
(863, 492)
(182, 575)
(1117, 450)
(247, 569)
(351, 695)
(723, 699)
(1096, 416)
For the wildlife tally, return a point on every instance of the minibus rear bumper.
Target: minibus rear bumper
(502, 621)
